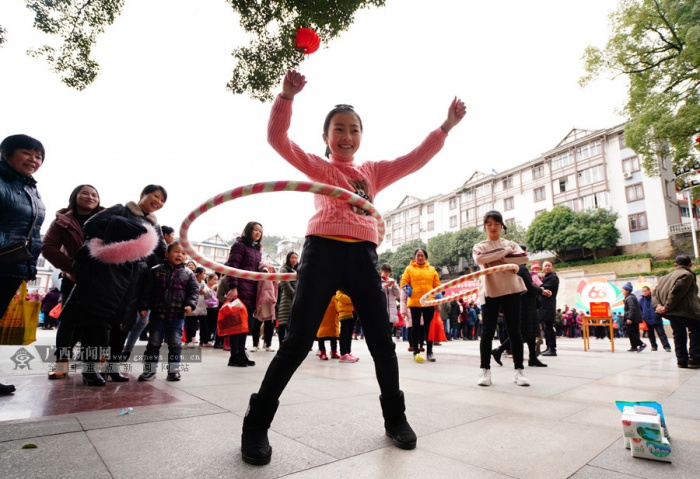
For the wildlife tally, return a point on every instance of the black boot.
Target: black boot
(395, 424)
(93, 378)
(112, 372)
(238, 360)
(255, 448)
(247, 360)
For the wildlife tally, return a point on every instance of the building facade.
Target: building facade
(587, 169)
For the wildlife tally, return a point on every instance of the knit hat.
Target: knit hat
(535, 265)
(628, 286)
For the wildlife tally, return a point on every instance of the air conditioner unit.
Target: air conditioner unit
(627, 174)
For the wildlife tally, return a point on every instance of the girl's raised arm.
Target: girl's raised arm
(455, 113)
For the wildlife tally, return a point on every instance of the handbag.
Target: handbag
(56, 311)
(233, 318)
(18, 324)
(17, 252)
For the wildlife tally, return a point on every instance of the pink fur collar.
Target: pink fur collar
(124, 251)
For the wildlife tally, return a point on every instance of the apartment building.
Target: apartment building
(587, 169)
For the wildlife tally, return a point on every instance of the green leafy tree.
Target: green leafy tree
(272, 23)
(465, 239)
(656, 45)
(555, 231)
(597, 229)
(516, 232)
(385, 257)
(403, 256)
(442, 251)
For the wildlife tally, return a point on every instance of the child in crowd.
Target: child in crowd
(329, 329)
(346, 315)
(265, 302)
(340, 251)
(170, 291)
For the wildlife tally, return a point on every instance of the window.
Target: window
(634, 192)
(574, 204)
(587, 151)
(415, 228)
(431, 225)
(539, 193)
(507, 182)
(453, 203)
(630, 164)
(468, 195)
(590, 175)
(388, 237)
(537, 171)
(597, 200)
(539, 212)
(388, 222)
(483, 190)
(398, 234)
(508, 204)
(638, 221)
(453, 221)
(431, 208)
(562, 160)
(621, 139)
(413, 213)
(40, 262)
(509, 222)
(685, 212)
(207, 251)
(560, 185)
(481, 210)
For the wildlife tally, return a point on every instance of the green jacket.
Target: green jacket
(678, 293)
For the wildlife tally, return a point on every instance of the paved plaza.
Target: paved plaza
(329, 422)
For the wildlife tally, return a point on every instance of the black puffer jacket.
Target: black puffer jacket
(287, 291)
(110, 275)
(245, 256)
(529, 322)
(19, 202)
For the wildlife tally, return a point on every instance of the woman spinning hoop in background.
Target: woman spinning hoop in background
(339, 252)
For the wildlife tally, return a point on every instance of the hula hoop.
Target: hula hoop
(467, 277)
(269, 187)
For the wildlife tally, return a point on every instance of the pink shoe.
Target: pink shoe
(346, 358)
(353, 357)
(322, 355)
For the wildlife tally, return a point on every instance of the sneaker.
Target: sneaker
(520, 378)
(353, 357)
(642, 347)
(147, 376)
(173, 377)
(205, 345)
(322, 355)
(346, 358)
(334, 354)
(417, 358)
(654, 348)
(549, 352)
(254, 349)
(431, 358)
(189, 345)
(484, 378)
(668, 350)
(269, 349)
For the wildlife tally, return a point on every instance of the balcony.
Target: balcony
(683, 227)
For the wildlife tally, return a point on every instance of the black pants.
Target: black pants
(655, 329)
(550, 335)
(421, 332)
(8, 288)
(322, 344)
(282, 332)
(633, 334)
(267, 328)
(684, 330)
(347, 326)
(212, 319)
(510, 305)
(102, 344)
(326, 266)
(191, 325)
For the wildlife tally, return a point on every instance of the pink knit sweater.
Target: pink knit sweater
(335, 217)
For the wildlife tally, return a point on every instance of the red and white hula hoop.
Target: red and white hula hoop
(269, 187)
(462, 279)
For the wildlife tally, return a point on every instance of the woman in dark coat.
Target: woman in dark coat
(246, 254)
(60, 244)
(122, 243)
(21, 215)
(529, 321)
(287, 291)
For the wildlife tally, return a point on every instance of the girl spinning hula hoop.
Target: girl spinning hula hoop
(339, 252)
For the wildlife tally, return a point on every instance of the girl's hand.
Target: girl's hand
(456, 112)
(293, 83)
